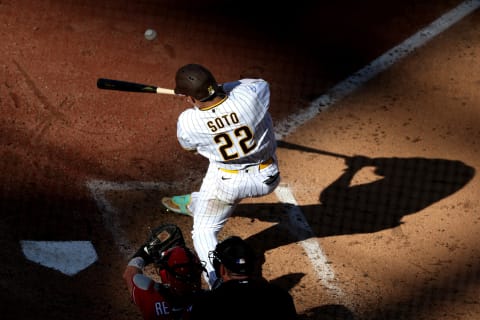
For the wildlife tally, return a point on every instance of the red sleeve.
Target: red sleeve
(150, 302)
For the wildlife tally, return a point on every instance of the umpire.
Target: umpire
(238, 293)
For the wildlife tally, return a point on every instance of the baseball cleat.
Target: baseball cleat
(178, 204)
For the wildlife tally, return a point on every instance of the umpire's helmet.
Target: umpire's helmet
(235, 254)
(196, 81)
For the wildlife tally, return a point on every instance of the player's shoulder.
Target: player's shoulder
(252, 80)
(187, 113)
(245, 84)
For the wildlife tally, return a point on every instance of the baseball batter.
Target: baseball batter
(230, 125)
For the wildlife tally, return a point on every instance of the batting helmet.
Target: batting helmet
(235, 254)
(196, 81)
(180, 269)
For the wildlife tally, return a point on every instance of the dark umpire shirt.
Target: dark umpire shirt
(245, 299)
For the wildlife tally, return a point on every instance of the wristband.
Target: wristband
(137, 262)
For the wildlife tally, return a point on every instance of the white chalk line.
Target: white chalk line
(298, 223)
(382, 63)
(110, 215)
(299, 226)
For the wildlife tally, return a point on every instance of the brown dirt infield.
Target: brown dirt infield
(400, 232)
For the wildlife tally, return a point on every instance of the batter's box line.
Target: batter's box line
(299, 227)
(110, 214)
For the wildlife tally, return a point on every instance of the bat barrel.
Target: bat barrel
(120, 85)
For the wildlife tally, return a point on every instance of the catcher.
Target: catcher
(179, 270)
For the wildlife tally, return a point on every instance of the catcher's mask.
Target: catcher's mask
(180, 269)
(196, 81)
(235, 254)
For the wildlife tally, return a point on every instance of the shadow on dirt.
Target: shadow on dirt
(328, 312)
(401, 186)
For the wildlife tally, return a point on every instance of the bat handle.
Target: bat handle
(165, 91)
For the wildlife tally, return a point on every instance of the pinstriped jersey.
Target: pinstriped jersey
(235, 133)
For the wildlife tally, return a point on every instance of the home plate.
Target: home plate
(68, 257)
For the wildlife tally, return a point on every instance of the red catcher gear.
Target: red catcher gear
(180, 269)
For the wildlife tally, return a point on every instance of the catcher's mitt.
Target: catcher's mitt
(161, 239)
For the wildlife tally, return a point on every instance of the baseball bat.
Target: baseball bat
(120, 85)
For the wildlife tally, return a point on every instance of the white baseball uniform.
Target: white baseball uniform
(237, 137)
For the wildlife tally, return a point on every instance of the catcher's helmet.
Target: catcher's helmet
(196, 81)
(180, 269)
(235, 254)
